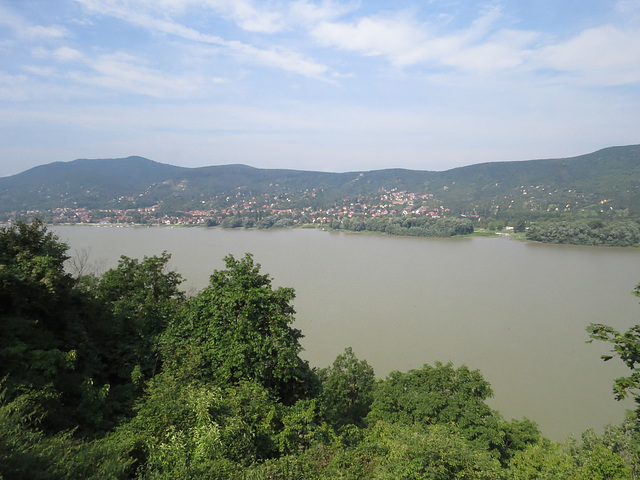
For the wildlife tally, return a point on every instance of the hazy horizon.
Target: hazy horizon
(277, 168)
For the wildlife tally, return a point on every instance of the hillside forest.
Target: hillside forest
(123, 376)
(591, 199)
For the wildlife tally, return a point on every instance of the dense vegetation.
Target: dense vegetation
(409, 226)
(123, 376)
(406, 226)
(594, 232)
(603, 185)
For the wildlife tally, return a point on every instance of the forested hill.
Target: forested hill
(609, 177)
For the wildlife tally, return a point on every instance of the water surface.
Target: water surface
(517, 311)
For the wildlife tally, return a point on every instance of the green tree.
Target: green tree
(142, 297)
(435, 452)
(627, 347)
(132, 306)
(516, 436)
(26, 452)
(239, 329)
(45, 340)
(614, 450)
(88, 342)
(189, 429)
(347, 390)
(519, 226)
(438, 395)
(568, 461)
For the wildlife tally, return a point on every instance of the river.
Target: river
(516, 311)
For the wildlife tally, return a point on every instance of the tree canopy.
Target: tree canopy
(239, 328)
(123, 376)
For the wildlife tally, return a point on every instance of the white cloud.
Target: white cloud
(40, 52)
(39, 31)
(47, 72)
(395, 38)
(303, 12)
(249, 17)
(66, 54)
(273, 57)
(28, 31)
(405, 42)
(124, 72)
(60, 53)
(506, 49)
(13, 88)
(273, 17)
(605, 55)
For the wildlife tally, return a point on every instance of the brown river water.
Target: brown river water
(516, 311)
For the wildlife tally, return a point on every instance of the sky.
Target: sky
(328, 85)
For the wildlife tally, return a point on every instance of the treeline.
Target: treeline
(408, 226)
(123, 376)
(405, 225)
(593, 232)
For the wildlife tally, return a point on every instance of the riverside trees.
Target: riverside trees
(123, 376)
(594, 232)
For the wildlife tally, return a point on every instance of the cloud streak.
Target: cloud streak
(282, 58)
(604, 55)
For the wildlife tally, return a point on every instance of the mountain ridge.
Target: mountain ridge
(610, 174)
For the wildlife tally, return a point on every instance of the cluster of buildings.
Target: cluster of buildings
(296, 207)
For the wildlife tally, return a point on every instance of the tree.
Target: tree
(438, 395)
(519, 226)
(568, 461)
(45, 344)
(26, 452)
(437, 452)
(347, 390)
(627, 347)
(32, 269)
(239, 329)
(88, 343)
(142, 297)
(132, 305)
(516, 436)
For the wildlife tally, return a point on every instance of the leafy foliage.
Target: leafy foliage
(595, 232)
(44, 338)
(120, 376)
(410, 226)
(568, 461)
(239, 328)
(90, 343)
(438, 395)
(26, 452)
(347, 390)
(627, 347)
(141, 297)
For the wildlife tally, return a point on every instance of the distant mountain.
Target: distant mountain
(608, 178)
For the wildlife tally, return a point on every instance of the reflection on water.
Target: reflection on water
(516, 311)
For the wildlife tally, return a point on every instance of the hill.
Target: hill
(603, 182)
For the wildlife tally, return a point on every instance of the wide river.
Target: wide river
(516, 311)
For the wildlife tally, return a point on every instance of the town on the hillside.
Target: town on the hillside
(253, 210)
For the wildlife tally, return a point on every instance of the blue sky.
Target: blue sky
(336, 85)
